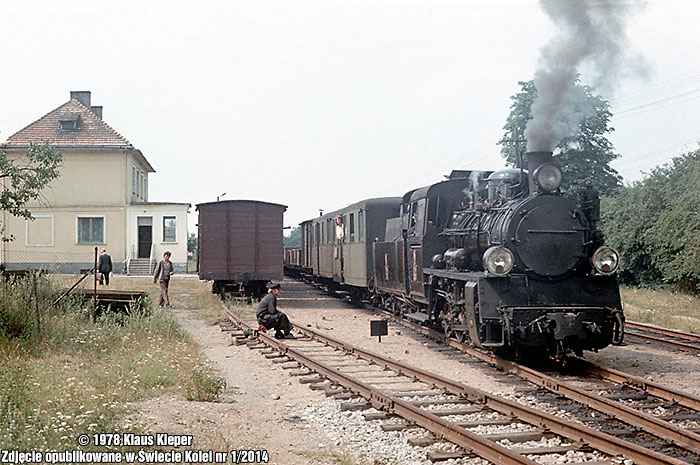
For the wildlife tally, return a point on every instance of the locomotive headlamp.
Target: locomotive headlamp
(498, 260)
(605, 260)
(548, 177)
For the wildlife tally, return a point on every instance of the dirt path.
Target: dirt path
(262, 409)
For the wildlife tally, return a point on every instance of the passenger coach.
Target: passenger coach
(337, 246)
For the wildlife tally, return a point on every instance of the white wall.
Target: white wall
(157, 212)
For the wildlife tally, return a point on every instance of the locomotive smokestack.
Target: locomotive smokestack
(534, 161)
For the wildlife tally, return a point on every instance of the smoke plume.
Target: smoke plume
(591, 33)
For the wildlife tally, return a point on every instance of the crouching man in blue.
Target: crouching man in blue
(270, 317)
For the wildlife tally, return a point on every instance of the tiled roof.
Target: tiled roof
(90, 130)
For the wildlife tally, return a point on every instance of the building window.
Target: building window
(133, 179)
(91, 230)
(169, 229)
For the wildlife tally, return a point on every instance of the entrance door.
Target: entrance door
(338, 249)
(145, 236)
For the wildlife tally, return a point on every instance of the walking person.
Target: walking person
(104, 267)
(162, 274)
(270, 317)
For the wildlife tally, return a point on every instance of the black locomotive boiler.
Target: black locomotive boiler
(500, 259)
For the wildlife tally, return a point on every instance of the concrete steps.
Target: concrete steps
(140, 267)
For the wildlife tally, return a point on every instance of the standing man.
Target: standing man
(104, 267)
(162, 274)
(340, 235)
(270, 317)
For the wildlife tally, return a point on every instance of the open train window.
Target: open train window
(416, 219)
(405, 215)
(344, 222)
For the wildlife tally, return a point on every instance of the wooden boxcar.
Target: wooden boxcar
(240, 245)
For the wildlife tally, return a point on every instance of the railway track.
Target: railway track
(450, 409)
(646, 333)
(647, 406)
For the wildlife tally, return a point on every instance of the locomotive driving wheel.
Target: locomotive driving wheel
(446, 318)
(454, 322)
(462, 334)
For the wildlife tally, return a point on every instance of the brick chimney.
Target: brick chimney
(82, 96)
(97, 110)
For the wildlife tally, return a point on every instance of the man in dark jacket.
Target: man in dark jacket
(270, 317)
(104, 267)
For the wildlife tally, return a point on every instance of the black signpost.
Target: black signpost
(378, 328)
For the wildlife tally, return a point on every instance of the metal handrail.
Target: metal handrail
(152, 259)
(129, 254)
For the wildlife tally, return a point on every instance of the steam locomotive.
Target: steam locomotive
(500, 259)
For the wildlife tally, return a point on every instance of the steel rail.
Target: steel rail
(472, 442)
(575, 432)
(655, 389)
(649, 423)
(640, 336)
(532, 416)
(661, 330)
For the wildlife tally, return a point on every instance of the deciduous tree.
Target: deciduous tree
(584, 156)
(24, 177)
(655, 225)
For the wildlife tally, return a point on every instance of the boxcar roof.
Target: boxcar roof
(241, 201)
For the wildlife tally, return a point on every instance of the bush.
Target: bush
(204, 385)
(655, 225)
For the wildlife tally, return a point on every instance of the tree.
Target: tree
(294, 238)
(584, 156)
(23, 178)
(655, 225)
(191, 242)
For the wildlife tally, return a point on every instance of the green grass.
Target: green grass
(663, 308)
(205, 385)
(63, 374)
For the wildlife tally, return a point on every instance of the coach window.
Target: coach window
(352, 227)
(361, 225)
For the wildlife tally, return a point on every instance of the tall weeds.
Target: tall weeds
(63, 374)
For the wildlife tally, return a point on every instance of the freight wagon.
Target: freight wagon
(240, 245)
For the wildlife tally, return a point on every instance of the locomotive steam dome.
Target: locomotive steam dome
(549, 235)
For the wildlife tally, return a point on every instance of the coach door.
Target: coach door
(339, 239)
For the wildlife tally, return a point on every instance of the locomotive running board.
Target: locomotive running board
(419, 317)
